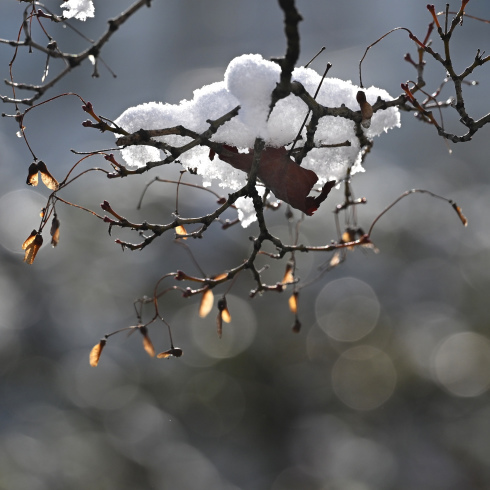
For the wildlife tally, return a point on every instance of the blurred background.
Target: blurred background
(387, 384)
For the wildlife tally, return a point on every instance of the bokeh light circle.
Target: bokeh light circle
(347, 309)
(364, 377)
(462, 364)
(237, 335)
(19, 215)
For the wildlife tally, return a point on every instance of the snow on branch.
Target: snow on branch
(249, 82)
(78, 9)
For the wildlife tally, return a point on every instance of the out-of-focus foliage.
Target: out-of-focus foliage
(385, 386)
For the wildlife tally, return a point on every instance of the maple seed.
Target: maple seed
(55, 231)
(293, 302)
(288, 274)
(173, 352)
(147, 344)
(223, 316)
(462, 217)
(48, 180)
(29, 239)
(180, 230)
(223, 309)
(206, 305)
(96, 352)
(296, 326)
(32, 246)
(32, 177)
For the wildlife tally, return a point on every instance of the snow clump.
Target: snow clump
(79, 9)
(248, 82)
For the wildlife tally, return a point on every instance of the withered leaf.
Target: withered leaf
(288, 181)
(96, 352)
(32, 248)
(33, 177)
(206, 304)
(48, 180)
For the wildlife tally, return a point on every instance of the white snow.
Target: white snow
(79, 9)
(248, 82)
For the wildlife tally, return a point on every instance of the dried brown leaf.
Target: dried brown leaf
(207, 302)
(96, 352)
(48, 180)
(288, 181)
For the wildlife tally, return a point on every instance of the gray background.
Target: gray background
(405, 406)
